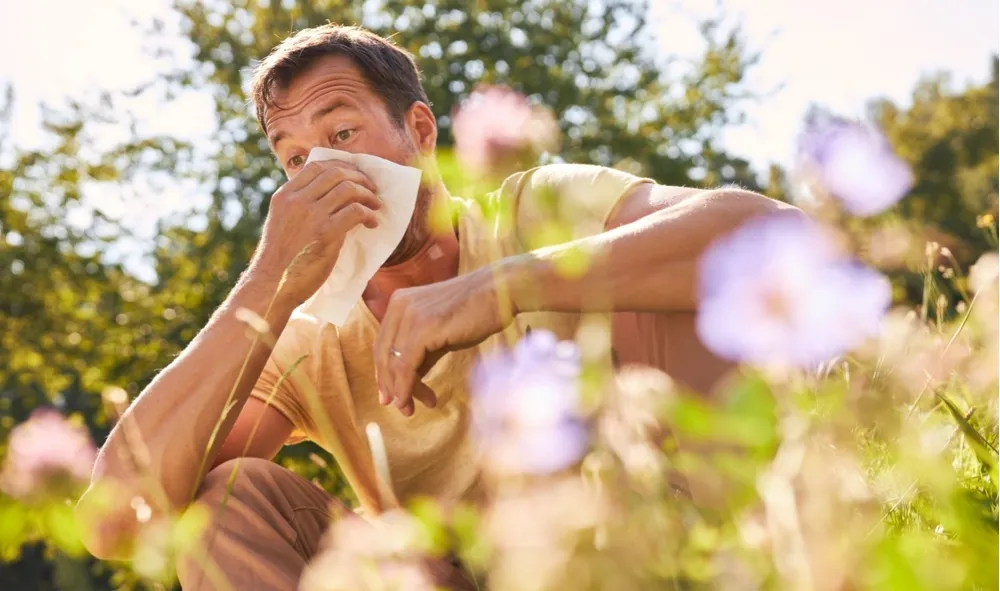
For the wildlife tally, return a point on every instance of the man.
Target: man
(460, 291)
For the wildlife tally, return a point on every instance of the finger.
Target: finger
(332, 176)
(403, 368)
(383, 345)
(346, 193)
(306, 176)
(350, 216)
(407, 409)
(422, 391)
(332, 171)
(423, 394)
(430, 360)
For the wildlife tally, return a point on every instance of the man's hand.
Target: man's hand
(312, 214)
(423, 323)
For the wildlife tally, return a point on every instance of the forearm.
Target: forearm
(165, 436)
(648, 265)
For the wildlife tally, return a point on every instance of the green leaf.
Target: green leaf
(986, 453)
(13, 528)
(62, 529)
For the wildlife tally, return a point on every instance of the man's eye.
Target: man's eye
(296, 161)
(344, 135)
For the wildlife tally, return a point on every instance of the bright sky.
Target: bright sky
(837, 53)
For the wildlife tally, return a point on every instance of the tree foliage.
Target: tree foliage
(73, 321)
(950, 139)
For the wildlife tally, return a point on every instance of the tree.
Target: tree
(593, 63)
(950, 140)
(73, 321)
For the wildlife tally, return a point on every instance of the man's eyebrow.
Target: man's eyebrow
(333, 106)
(327, 110)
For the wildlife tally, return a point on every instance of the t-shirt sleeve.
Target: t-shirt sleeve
(277, 385)
(556, 203)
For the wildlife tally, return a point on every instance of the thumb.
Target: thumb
(424, 394)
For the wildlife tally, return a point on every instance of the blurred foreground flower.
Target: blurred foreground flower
(496, 129)
(983, 274)
(526, 406)
(631, 422)
(778, 291)
(854, 163)
(535, 532)
(385, 554)
(47, 456)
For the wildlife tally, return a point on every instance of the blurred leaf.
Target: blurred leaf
(61, 528)
(431, 519)
(986, 453)
(13, 527)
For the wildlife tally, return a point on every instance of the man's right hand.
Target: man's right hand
(312, 214)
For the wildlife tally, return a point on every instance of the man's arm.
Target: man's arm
(645, 261)
(162, 440)
(260, 431)
(172, 432)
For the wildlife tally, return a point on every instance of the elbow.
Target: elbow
(107, 525)
(105, 516)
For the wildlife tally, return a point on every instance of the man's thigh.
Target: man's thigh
(266, 523)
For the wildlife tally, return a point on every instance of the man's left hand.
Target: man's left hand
(423, 323)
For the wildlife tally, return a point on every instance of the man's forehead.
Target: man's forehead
(343, 93)
(327, 76)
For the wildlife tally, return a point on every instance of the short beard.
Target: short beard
(417, 232)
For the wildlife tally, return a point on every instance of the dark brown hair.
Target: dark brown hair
(389, 70)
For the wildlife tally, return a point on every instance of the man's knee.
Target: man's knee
(251, 534)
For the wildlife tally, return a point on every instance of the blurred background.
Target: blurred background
(134, 179)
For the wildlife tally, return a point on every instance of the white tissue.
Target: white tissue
(365, 249)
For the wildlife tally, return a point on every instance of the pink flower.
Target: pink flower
(46, 455)
(525, 406)
(496, 129)
(777, 291)
(384, 554)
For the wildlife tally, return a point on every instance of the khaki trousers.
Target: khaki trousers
(270, 526)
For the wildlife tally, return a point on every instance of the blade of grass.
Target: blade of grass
(246, 361)
(232, 475)
(979, 444)
(951, 341)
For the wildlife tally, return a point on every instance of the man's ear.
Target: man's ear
(422, 126)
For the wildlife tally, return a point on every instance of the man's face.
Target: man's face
(330, 105)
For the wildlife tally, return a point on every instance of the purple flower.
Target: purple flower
(496, 127)
(525, 406)
(855, 164)
(778, 291)
(46, 455)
